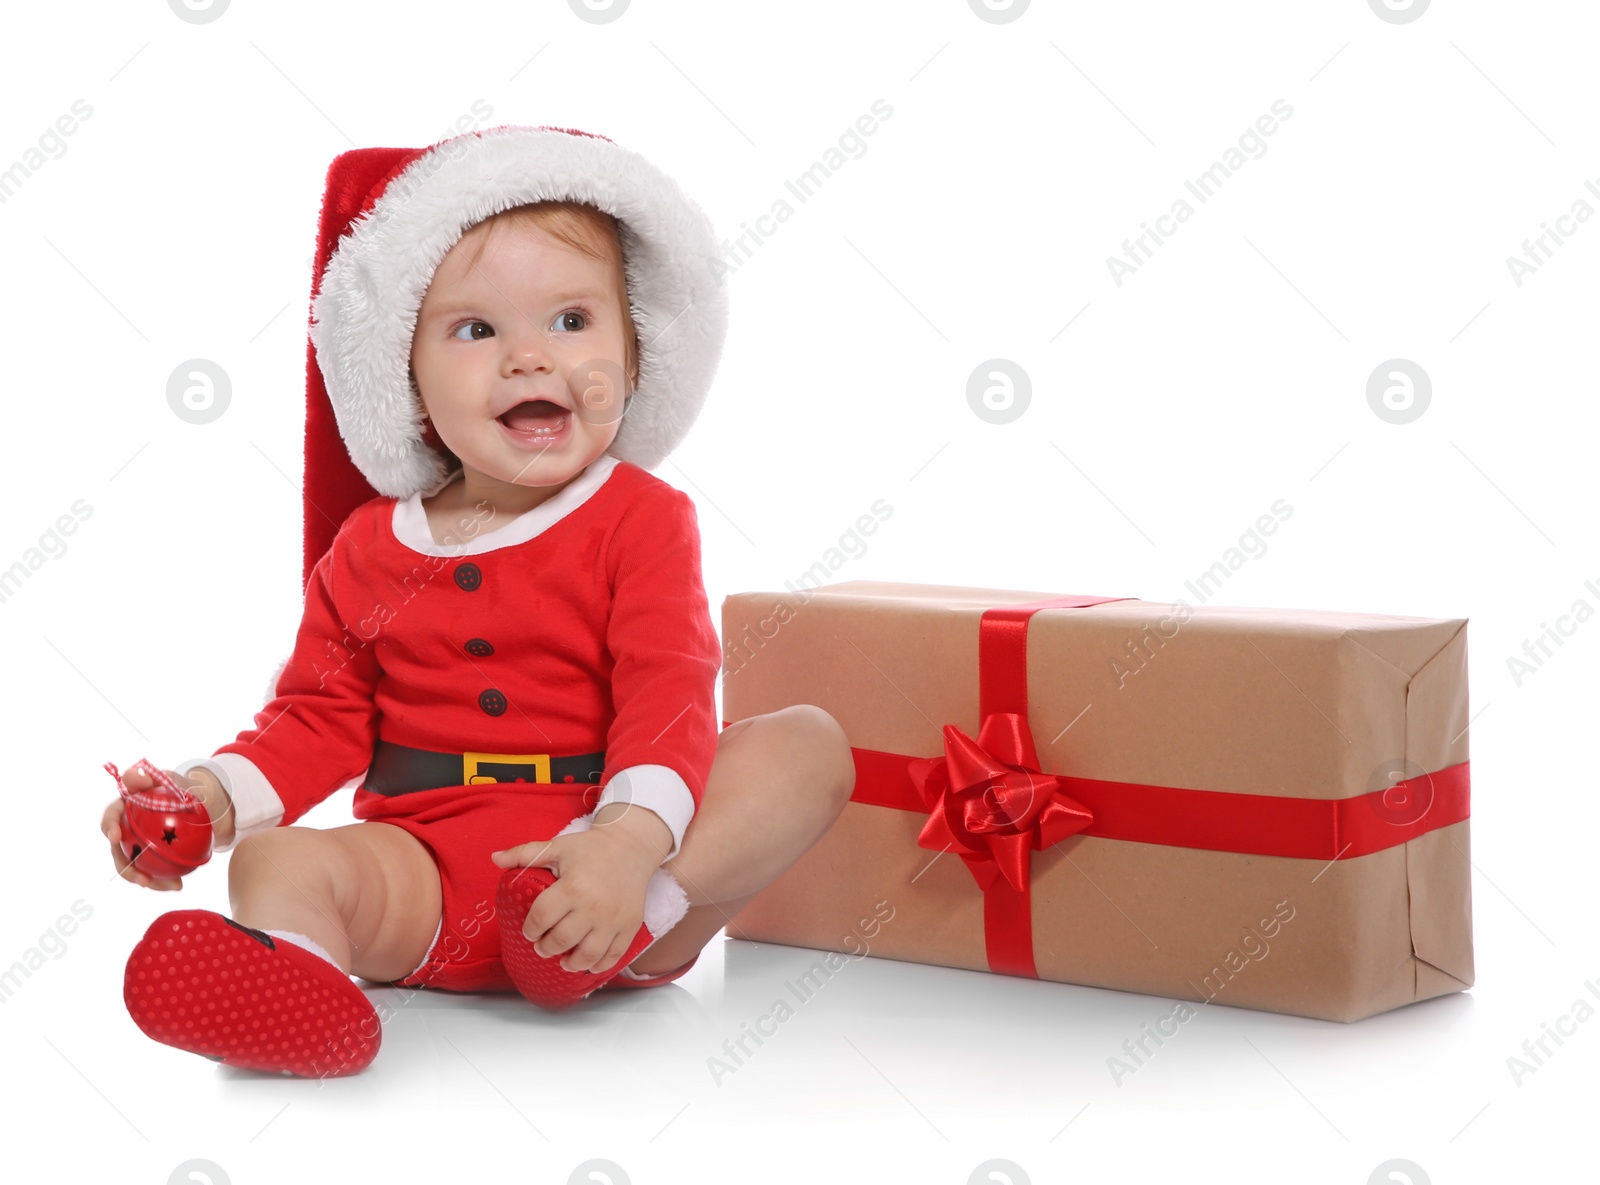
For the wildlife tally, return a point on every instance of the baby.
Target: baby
(508, 649)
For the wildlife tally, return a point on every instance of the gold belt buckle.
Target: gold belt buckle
(471, 776)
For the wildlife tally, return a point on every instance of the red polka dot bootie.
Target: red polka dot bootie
(542, 979)
(204, 983)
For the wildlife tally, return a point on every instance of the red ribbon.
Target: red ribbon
(988, 800)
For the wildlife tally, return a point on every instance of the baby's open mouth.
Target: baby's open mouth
(535, 415)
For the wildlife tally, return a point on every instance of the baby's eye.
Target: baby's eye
(472, 325)
(563, 325)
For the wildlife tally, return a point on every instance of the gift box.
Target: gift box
(1264, 808)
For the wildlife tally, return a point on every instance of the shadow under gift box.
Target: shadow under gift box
(1245, 732)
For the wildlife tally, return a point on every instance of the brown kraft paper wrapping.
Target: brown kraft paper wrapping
(1295, 703)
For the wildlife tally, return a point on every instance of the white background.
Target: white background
(178, 221)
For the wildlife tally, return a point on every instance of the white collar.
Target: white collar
(410, 521)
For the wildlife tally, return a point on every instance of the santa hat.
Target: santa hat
(389, 216)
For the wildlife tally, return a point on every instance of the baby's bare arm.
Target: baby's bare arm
(646, 830)
(218, 805)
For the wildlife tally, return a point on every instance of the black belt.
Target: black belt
(399, 769)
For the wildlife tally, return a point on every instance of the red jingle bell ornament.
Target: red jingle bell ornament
(167, 830)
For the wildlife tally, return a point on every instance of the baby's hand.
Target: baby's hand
(596, 905)
(113, 821)
(112, 824)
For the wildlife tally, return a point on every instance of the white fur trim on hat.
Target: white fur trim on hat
(366, 310)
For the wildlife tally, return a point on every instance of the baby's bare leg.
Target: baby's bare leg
(777, 783)
(367, 893)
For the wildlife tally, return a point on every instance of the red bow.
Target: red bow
(989, 800)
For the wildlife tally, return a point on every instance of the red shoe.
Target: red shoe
(626, 980)
(202, 982)
(542, 979)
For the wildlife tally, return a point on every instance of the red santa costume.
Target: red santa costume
(499, 687)
(485, 691)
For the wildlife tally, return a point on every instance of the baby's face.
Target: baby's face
(532, 321)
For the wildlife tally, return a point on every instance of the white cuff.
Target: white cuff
(658, 788)
(256, 805)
